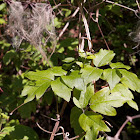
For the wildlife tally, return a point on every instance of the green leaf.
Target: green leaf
(90, 74)
(130, 80)
(46, 74)
(2, 6)
(26, 110)
(68, 59)
(111, 76)
(8, 57)
(74, 116)
(91, 134)
(133, 104)
(35, 90)
(125, 92)
(92, 120)
(103, 102)
(119, 65)
(61, 90)
(22, 132)
(2, 21)
(101, 138)
(80, 64)
(81, 99)
(40, 75)
(74, 80)
(103, 57)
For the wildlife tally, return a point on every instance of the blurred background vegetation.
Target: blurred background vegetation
(116, 24)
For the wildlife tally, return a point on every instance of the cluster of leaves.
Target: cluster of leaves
(80, 85)
(92, 82)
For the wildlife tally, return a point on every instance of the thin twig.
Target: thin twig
(120, 5)
(67, 24)
(63, 108)
(16, 108)
(135, 11)
(55, 127)
(96, 20)
(129, 118)
(138, 4)
(49, 117)
(43, 129)
(86, 25)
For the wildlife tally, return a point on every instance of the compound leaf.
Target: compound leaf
(103, 57)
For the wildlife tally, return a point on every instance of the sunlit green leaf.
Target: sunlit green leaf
(81, 99)
(40, 75)
(68, 59)
(46, 74)
(90, 74)
(91, 134)
(2, 21)
(130, 80)
(92, 120)
(111, 77)
(74, 80)
(61, 90)
(125, 92)
(103, 57)
(119, 65)
(35, 90)
(103, 102)
(133, 104)
(2, 6)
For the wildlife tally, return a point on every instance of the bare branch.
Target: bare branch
(67, 24)
(120, 5)
(55, 127)
(17, 108)
(138, 4)
(129, 118)
(43, 129)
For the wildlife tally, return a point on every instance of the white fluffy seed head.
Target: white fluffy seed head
(136, 34)
(34, 24)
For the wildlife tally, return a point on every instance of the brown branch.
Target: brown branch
(17, 108)
(55, 127)
(129, 118)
